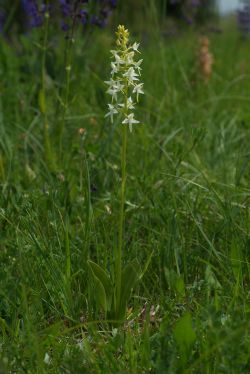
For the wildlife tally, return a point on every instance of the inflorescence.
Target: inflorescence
(124, 85)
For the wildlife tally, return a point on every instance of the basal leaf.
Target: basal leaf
(99, 291)
(184, 335)
(103, 277)
(129, 278)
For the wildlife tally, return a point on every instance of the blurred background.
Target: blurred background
(18, 15)
(226, 6)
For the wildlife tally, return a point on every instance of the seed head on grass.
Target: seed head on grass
(124, 85)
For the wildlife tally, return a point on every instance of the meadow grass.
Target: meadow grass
(187, 211)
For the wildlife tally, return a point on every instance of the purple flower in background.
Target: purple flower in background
(65, 8)
(67, 13)
(80, 11)
(2, 20)
(194, 3)
(106, 7)
(34, 14)
(244, 18)
(113, 3)
(73, 12)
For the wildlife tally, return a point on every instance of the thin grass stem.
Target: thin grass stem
(48, 155)
(68, 63)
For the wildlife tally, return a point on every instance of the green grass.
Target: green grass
(187, 211)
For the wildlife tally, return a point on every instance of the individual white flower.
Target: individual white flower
(80, 345)
(112, 111)
(137, 65)
(135, 47)
(113, 92)
(111, 83)
(131, 75)
(118, 59)
(130, 120)
(138, 90)
(119, 86)
(115, 68)
(130, 58)
(115, 88)
(130, 104)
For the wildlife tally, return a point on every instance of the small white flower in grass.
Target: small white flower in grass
(47, 359)
(129, 120)
(80, 345)
(112, 111)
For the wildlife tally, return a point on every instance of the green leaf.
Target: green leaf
(99, 294)
(211, 279)
(184, 336)
(129, 278)
(146, 265)
(235, 255)
(102, 275)
(104, 279)
(180, 286)
(175, 282)
(5, 328)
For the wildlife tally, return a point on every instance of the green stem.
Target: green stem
(68, 257)
(43, 102)
(88, 212)
(68, 59)
(122, 212)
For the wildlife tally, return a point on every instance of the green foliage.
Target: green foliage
(130, 275)
(102, 286)
(186, 237)
(185, 337)
(104, 291)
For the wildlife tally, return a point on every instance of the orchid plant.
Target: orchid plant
(124, 87)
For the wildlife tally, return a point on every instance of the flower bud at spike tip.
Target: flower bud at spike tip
(122, 37)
